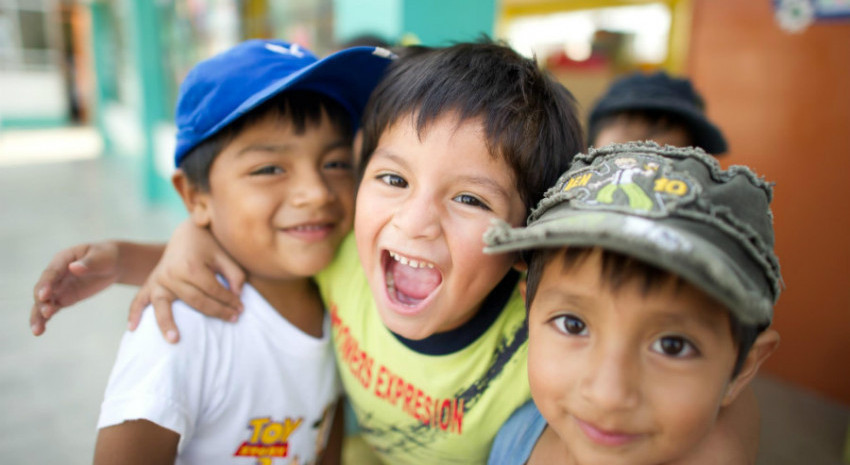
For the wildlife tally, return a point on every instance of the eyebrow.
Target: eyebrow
(285, 148)
(384, 153)
(487, 183)
(274, 148)
(690, 316)
(564, 296)
(482, 181)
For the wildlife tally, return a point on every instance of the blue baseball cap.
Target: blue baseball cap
(220, 89)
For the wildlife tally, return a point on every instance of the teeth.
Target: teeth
(410, 262)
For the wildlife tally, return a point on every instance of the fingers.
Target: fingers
(164, 317)
(235, 277)
(210, 298)
(161, 298)
(140, 301)
(53, 273)
(37, 321)
(44, 299)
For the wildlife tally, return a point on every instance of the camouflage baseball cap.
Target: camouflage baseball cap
(674, 208)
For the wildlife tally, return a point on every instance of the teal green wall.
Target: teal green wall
(356, 17)
(104, 67)
(438, 22)
(433, 22)
(147, 53)
(33, 123)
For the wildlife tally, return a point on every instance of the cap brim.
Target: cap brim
(347, 76)
(707, 136)
(668, 244)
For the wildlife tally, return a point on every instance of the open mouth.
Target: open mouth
(410, 281)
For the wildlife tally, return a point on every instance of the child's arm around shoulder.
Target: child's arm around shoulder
(81, 271)
(186, 269)
(136, 442)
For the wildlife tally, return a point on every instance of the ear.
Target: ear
(197, 202)
(765, 344)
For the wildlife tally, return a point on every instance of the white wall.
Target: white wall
(32, 95)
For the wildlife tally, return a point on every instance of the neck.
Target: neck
(297, 300)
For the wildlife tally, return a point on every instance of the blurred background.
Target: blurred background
(87, 90)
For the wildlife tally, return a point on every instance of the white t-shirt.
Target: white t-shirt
(233, 391)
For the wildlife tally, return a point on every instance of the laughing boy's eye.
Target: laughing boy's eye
(393, 180)
(674, 346)
(570, 324)
(472, 201)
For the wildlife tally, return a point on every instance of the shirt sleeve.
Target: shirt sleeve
(157, 381)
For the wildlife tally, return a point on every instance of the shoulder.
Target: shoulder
(197, 331)
(517, 437)
(162, 382)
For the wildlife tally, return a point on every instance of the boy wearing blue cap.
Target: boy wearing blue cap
(265, 165)
(429, 332)
(656, 107)
(645, 320)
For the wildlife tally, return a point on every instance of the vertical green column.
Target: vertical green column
(439, 22)
(147, 54)
(103, 57)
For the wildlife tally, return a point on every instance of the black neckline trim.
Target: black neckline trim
(456, 339)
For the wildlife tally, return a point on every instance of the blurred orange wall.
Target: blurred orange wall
(783, 101)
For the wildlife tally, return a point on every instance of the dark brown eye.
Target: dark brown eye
(675, 346)
(393, 180)
(571, 325)
(672, 345)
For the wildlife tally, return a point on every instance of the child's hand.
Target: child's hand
(71, 276)
(187, 271)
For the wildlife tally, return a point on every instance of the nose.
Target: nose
(610, 382)
(418, 215)
(310, 188)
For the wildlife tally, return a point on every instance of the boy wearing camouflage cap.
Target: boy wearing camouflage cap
(651, 287)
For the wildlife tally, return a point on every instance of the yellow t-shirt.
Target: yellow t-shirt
(414, 406)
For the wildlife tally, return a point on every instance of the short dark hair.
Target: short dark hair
(656, 120)
(529, 118)
(619, 268)
(301, 107)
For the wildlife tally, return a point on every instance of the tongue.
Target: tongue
(414, 283)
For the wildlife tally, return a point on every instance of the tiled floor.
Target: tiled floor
(51, 387)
